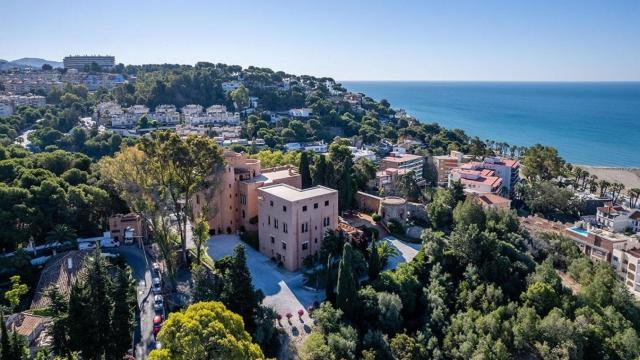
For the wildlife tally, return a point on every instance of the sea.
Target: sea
(590, 123)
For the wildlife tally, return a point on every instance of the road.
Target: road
(143, 337)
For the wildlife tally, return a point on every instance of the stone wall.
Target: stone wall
(367, 202)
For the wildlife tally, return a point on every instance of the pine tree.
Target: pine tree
(238, 294)
(305, 172)
(122, 315)
(374, 262)
(59, 330)
(346, 293)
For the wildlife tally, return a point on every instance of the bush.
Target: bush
(395, 227)
(251, 238)
(376, 217)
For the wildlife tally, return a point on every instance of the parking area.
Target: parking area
(284, 291)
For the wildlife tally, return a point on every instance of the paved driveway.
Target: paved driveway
(283, 290)
(407, 251)
(144, 339)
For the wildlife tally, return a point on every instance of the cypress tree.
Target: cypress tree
(122, 317)
(5, 345)
(329, 283)
(238, 294)
(320, 171)
(305, 172)
(345, 189)
(374, 262)
(17, 347)
(346, 294)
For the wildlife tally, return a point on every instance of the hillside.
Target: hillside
(24, 62)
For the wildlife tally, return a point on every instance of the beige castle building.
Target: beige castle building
(293, 221)
(234, 205)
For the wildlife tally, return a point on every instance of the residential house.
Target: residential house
(233, 207)
(476, 181)
(445, 163)
(300, 113)
(166, 115)
(33, 328)
(293, 222)
(409, 162)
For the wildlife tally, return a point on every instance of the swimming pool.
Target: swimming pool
(580, 231)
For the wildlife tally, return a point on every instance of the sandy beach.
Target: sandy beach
(630, 177)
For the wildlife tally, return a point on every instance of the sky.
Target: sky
(510, 40)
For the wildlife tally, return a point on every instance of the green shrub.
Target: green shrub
(251, 238)
(376, 217)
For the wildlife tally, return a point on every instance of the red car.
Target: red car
(157, 324)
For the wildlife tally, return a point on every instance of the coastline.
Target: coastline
(629, 176)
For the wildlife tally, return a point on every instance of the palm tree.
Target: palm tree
(616, 190)
(386, 251)
(634, 195)
(603, 185)
(593, 182)
(61, 233)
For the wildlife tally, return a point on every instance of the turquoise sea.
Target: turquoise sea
(589, 123)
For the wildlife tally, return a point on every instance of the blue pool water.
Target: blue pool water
(589, 123)
(579, 230)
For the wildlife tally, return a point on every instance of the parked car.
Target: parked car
(109, 243)
(157, 324)
(86, 245)
(156, 285)
(158, 303)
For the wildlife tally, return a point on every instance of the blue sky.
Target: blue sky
(349, 40)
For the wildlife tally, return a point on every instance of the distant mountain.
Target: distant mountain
(37, 62)
(24, 62)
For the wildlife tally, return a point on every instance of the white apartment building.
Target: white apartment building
(362, 153)
(318, 147)
(10, 103)
(191, 110)
(300, 113)
(79, 62)
(617, 218)
(231, 85)
(130, 117)
(166, 115)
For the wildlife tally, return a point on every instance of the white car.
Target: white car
(156, 285)
(86, 245)
(109, 243)
(158, 303)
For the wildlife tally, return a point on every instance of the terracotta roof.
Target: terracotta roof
(25, 324)
(493, 199)
(56, 272)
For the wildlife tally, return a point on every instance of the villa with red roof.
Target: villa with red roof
(476, 181)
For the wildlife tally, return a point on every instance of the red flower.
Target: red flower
(300, 312)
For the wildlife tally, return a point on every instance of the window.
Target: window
(304, 208)
(284, 245)
(243, 215)
(285, 228)
(326, 221)
(305, 245)
(284, 208)
(271, 203)
(304, 228)
(315, 205)
(243, 199)
(197, 199)
(275, 223)
(326, 203)
(315, 240)
(269, 220)
(273, 240)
